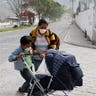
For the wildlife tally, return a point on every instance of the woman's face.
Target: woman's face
(42, 28)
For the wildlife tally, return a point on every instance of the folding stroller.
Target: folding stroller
(58, 71)
(41, 80)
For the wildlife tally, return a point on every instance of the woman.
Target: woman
(42, 40)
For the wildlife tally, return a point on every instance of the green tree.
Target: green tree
(47, 8)
(55, 11)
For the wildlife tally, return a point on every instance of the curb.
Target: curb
(80, 45)
(76, 43)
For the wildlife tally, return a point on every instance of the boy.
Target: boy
(16, 56)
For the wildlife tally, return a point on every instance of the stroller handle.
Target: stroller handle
(23, 59)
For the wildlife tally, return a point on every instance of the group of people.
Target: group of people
(33, 47)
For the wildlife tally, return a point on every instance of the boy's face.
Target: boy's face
(26, 46)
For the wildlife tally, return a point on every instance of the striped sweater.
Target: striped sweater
(48, 35)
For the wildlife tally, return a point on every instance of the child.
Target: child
(16, 56)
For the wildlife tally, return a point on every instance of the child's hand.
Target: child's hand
(21, 54)
(31, 51)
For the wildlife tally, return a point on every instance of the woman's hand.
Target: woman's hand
(35, 51)
(42, 56)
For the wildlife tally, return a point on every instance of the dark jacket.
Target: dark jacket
(64, 68)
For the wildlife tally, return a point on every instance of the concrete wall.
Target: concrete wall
(85, 20)
(8, 24)
(4, 25)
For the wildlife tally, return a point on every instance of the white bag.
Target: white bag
(43, 68)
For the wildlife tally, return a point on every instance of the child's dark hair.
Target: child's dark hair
(42, 21)
(25, 40)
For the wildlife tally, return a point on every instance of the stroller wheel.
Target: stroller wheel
(21, 90)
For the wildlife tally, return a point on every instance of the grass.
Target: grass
(12, 29)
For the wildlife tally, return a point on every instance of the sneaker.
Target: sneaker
(38, 93)
(22, 90)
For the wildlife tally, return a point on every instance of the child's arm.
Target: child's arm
(15, 55)
(19, 56)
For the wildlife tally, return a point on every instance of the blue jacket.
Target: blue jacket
(18, 64)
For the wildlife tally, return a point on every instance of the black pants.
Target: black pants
(27, 76)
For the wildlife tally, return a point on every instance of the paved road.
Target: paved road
(87, 59)
(10, 79)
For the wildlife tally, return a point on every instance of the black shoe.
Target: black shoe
(22, 90)
(38, 93)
